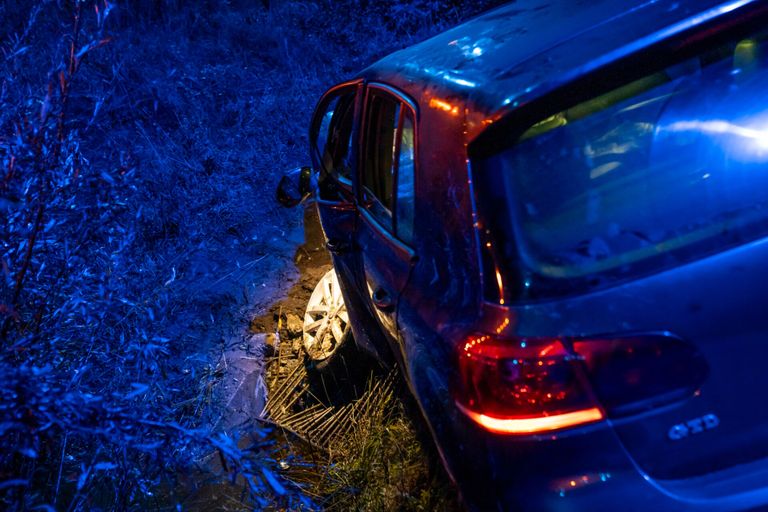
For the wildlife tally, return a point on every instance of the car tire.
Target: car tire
(326, 326)
(336, 368)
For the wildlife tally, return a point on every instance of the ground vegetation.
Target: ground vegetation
(140, 144)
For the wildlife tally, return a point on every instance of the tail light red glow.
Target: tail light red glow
(523, 386)
(534, 425)
(534, 385)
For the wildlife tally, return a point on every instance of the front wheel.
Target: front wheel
(326, 323)
(336, 368)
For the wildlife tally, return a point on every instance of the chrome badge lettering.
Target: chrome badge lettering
(692, 427)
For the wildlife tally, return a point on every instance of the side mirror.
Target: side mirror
(295, 186)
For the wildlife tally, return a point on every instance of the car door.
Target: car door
(386, 195)
(333, 141)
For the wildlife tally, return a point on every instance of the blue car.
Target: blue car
(554, 219)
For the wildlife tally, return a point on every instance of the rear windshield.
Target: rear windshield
(663, 170)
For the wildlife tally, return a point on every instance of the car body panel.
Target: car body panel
(386, 267)
(520, 47)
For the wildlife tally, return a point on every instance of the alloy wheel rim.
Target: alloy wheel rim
(326, 322)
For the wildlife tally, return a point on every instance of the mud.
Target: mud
(312, 262)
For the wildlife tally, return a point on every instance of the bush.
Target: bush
(140, 143)
(97, 398)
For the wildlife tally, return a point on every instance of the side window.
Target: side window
(332, 141)
(379, 170)
(405, 181)
(388, 165)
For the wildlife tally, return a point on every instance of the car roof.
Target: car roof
(529, 47)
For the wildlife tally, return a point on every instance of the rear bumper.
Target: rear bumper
(581, 469)
(584, 469)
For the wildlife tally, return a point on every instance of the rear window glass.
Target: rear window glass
(666, 169)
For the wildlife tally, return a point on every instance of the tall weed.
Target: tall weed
(140, 142)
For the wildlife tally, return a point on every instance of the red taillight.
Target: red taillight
(532, 385)
(634, 373)
(523, 386)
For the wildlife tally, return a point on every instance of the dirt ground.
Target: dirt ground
(262, 322)
(312, 262)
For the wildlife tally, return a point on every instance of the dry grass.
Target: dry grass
(364, 454)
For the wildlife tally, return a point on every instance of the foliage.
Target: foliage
(139, 142)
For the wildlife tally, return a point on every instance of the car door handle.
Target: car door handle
(337, 246)
(382, 300)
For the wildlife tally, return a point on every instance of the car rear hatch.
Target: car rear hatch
(717, 308)
(680, 373)
(633, 224)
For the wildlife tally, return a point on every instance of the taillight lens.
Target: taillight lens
(523, 386)
(632, 374)
(534, 385)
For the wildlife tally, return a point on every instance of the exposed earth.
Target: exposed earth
(273, 331)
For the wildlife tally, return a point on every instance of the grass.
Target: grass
(363, 455)
(140, 143)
